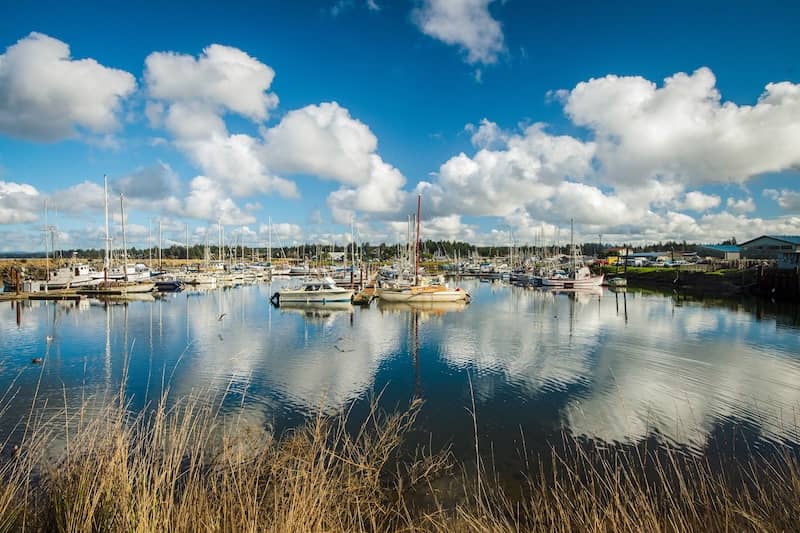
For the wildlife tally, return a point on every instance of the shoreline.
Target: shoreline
(769, 283)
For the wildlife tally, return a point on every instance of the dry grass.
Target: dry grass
(188, 468)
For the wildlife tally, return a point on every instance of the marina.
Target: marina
(432, 266)
(613, 367)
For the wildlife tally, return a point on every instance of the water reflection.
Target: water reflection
(612, 366)
(317, 311)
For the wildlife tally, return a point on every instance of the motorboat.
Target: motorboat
(321, 290)
(169, 285)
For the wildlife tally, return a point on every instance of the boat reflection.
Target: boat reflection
(431, 308)
(317, 310)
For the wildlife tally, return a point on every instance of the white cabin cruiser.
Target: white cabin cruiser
(322, 290)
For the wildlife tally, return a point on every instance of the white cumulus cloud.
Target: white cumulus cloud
(321, 140)
(684, 130)
(465, 23)
(741, 206)
(45, 95)
(221, 77)
(529, 168)
(788, 200)
(700, 202)
(19, 203)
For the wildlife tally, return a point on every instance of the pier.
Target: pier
(68, 294)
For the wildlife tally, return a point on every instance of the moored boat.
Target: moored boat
(582, 278)
(417, 292)
(323, 290)
(617, 282)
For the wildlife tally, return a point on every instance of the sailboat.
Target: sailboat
(418, 292)
(123, 285)
(577, 278)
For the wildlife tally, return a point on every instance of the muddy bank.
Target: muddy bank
(695, 283)
(779, 285)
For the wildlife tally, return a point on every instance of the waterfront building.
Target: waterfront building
(726, 252)
(770, 247)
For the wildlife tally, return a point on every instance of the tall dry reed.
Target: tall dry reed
(188, 468)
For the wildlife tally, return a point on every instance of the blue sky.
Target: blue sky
(485, 107)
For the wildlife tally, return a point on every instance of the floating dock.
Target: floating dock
(364, 297)
(69, 295)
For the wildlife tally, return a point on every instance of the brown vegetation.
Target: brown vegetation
(188, 468)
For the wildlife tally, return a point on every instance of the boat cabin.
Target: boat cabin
(320, 285)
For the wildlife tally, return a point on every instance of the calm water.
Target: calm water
(613, 367)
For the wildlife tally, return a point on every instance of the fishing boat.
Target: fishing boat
(322, 290)
(80, 275)
(581, 278)
(434, 292)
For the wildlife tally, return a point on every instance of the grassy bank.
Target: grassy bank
(717, 283)
(189, 469)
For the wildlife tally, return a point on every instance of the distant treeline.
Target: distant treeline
(311, 251)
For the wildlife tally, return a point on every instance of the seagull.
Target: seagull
(221, 317)
(49, 338)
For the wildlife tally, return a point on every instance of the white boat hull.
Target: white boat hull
(336, 295)
(584, 283)
(421, 294)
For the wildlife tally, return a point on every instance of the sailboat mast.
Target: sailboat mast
(572, 243)
(353, 246)
(220, 257)
(107, 259)
(46, 251)
(416, 253)
(124, 242)
(187, 245)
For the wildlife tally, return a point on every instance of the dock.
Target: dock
(364, 296)
(68, 295)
